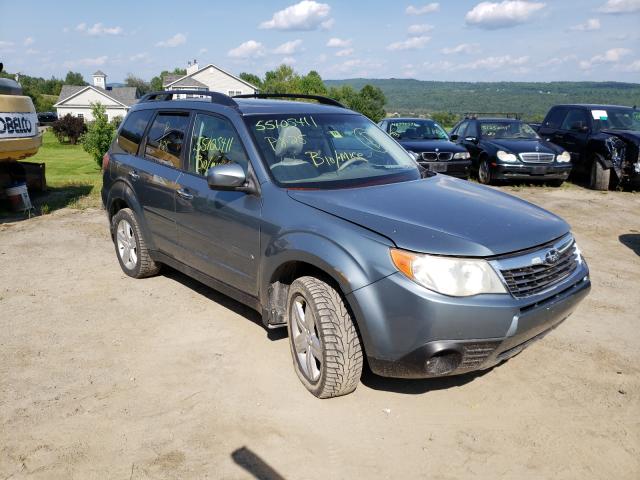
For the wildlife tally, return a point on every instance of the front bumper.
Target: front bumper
(411, 332)
(454, 168)
(552, 171)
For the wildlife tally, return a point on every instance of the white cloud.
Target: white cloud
(140, 57)
(443, 65)
(412, 43)
(557, 61)
(306, 15)
(87, 62)
(248, 49)
(630, 67)
(418, 30)
(32, 51)
(6, 46)
(175, 41)
(338, 43)
(345, 52)
(202, 51)
(463, 48)
(493, 15)
(357, 67)
(422, 10)
(288, 61)
(620, 6)
(496, 63)
(289, 48)
(613, 55)
(28, 41)
(589, 26)
(98, 29)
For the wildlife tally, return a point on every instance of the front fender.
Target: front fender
(122, 192)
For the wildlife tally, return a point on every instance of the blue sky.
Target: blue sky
(464, 40)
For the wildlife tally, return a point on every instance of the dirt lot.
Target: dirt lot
(103, 376)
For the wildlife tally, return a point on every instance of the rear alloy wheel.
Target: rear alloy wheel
(600, 177)
(325, 346)
(131, 247)
(484, 173)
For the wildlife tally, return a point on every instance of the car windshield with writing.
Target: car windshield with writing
(617, 119)
(417, 130)
(507, 130)
(329, 151)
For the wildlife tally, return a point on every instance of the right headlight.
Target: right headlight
(457, 277)
(564, 157)
(461, 156)
(506, 157)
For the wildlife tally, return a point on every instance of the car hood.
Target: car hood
(520, 146)
(420, 146)
(629, 135)
(441, 215)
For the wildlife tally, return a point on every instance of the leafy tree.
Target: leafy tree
(74, 78)
(445, 119)
(251, 78)
(312, 84)
(283, 79)
(99, 135)
(141, 86)
(116, 121)
(68, 128)
(156, 82)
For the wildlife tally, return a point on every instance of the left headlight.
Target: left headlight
(564, 157)
(456, 277)
(461, 156)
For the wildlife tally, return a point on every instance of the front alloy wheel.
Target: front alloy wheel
(305, 339)
(127, 246)
(484, 174)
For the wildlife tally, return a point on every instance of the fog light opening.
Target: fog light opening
(443, 362)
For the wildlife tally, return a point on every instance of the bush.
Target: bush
(68, 129)
(116, 121)
(99, 135)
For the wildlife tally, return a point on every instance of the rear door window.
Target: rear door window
(132, 130)
(215, 142)
(166, 137)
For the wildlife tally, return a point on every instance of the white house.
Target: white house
(77, 100)
(210, 78)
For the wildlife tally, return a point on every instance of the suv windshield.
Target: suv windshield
(617, 119)
(329, 151)
(417, 130)
(504, 130)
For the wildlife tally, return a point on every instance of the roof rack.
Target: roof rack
(318, 98)
(475, 115)
(164, 95)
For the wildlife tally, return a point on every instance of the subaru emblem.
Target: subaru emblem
(552, 257)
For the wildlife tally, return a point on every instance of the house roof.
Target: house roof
(125, 95)
(170, 78)
(188, 82)
(100, 72)
(170, 82)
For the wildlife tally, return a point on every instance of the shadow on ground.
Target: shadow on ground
(631, 240)
(254, 465)
(53, 199)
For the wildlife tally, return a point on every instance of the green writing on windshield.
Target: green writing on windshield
(318, 159)
(274, 124)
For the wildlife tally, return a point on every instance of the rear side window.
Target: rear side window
(460, 131)
(133, 129)
(555, 117)
(165, 139)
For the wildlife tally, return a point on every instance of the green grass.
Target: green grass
(73, 177)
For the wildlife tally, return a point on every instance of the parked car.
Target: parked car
(604, 141)
(313, 216)
(431, 144)
(509, 149)
(47, 118)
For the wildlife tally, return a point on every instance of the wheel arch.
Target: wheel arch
(122, 196)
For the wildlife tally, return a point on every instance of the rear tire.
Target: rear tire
(320, 325)
(600, 178)
(131, 248)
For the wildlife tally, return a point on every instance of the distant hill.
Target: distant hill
(532, 99)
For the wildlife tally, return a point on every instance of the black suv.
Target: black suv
(601, 139)
(507, 149)
(431, 145)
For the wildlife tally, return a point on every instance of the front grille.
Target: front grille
(535, 157)
(437, 156)
(526, 281)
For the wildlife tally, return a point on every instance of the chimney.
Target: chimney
(100, 80)
(192, 67)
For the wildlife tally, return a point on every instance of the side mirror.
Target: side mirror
(230, 176)
(471, 139)
(453, 137)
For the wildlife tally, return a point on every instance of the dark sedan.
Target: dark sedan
(431, 144)
(507, 149)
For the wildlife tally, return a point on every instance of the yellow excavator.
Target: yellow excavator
(19, 139)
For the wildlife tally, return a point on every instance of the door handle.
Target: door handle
(134, 175)
(184, 194)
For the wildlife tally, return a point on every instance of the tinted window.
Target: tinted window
(575, 117)
(555, 117)
(166, 138)
(133, 129)
(472, 130)
(215, 142)
(507, 129)
(417, 130)
(460, 131)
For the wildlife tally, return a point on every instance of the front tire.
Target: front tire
(324, 342)
(484, 172)
(600, 178)
(131, 248)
